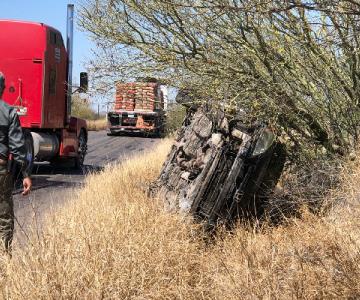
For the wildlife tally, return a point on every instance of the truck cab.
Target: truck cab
(37, 69)
(33, 59)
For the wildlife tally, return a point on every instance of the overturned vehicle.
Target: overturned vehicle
(220, 170)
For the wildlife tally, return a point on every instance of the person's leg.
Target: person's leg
(6, 211)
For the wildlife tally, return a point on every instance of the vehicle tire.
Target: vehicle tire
(79, 160)
(29, 145)
(158, 134)
(160, 131)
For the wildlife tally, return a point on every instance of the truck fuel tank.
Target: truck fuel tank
(46, 145)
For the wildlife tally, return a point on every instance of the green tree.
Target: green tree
(81, 108)
(292, 64)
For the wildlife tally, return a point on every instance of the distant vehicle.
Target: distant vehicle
(139, 108)
(38, 72)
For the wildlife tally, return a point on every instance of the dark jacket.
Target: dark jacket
(12, 137)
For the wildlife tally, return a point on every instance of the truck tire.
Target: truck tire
(160, 130)
(79, 160)
(111, 133)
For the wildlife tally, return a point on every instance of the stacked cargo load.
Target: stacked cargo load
(125, 96)
(145, 96)
(138, 96)
(139, 107)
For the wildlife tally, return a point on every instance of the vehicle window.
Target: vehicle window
(59, 40)
(52, 38)
(56, 39)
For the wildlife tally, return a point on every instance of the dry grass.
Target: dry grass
(96, 125)
(112, 242)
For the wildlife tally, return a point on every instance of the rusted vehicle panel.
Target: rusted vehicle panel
(220, 171)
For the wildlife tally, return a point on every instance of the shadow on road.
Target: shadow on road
(47, 169)
(45, 176)
(135, 134)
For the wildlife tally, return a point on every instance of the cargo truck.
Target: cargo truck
(38, 72)
(139, 107)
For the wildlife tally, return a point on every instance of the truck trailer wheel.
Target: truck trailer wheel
(111, 133)
(79, 160)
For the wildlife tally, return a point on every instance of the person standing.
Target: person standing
(12, 143)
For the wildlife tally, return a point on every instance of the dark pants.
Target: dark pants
(6, 210)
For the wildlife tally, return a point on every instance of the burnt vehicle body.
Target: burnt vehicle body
(220, 171)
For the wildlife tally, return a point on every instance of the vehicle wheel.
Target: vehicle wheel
(29, 145)
(160, 131)
(156, 134)
(79, 160)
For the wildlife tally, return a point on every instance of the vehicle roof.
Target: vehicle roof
(30, 23)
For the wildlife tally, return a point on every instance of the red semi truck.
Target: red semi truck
(38, 72)
(139, 108)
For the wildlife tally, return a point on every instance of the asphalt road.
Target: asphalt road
(51, 187)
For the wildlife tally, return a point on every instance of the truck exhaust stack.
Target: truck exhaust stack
(69, 48)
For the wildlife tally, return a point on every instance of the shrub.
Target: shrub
(81, 108)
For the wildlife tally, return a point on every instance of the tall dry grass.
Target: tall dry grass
(96, 125)
(113, 242)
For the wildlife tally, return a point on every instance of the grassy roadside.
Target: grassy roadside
(113, 242)
(96, 125)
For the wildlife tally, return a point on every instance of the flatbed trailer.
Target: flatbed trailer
(140, 107)
(136, 122)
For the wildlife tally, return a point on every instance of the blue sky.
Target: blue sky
(53, 13)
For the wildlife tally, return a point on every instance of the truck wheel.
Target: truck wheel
(29, 145)
(79, 160)
(160, 131)
(111, 133)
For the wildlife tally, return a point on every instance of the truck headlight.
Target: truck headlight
(264, 142)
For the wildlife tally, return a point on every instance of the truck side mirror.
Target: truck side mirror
(84, 82)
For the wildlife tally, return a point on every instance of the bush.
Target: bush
(291, 64)
(174, 118)
(81, 108)
(96, 125)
